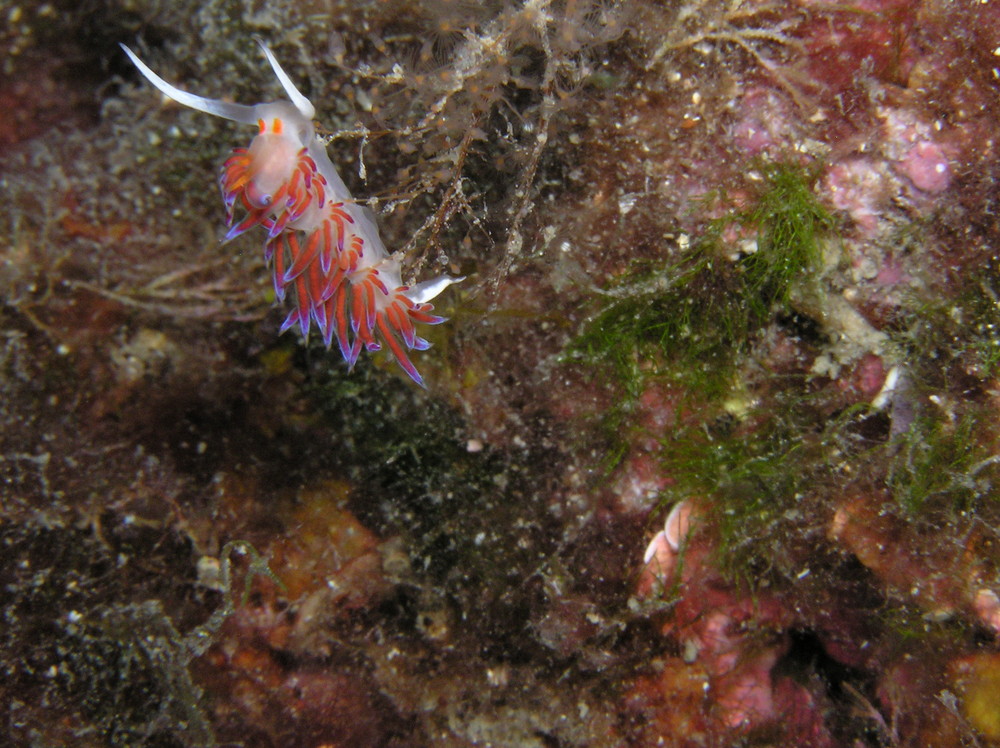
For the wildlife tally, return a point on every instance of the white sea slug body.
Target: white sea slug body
(323, 248)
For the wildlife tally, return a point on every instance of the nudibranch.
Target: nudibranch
(323, 248)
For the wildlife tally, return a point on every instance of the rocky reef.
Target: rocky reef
(708, 454)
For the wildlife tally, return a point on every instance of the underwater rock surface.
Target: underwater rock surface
(732, 299)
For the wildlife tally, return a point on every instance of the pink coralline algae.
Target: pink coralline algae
(927, 167)
(911, 144)
(987, 607)
(858, 187)
(729, 640)
(764, 123)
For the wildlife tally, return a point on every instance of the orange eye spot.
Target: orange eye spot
(260, 126)
(276, 126)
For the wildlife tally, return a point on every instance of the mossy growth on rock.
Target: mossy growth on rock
(941, 464)
(941, 457)
(692, 318)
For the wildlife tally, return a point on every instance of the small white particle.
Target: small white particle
(888, 389)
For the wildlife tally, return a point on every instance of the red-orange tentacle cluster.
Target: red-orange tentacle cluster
(318, 259)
